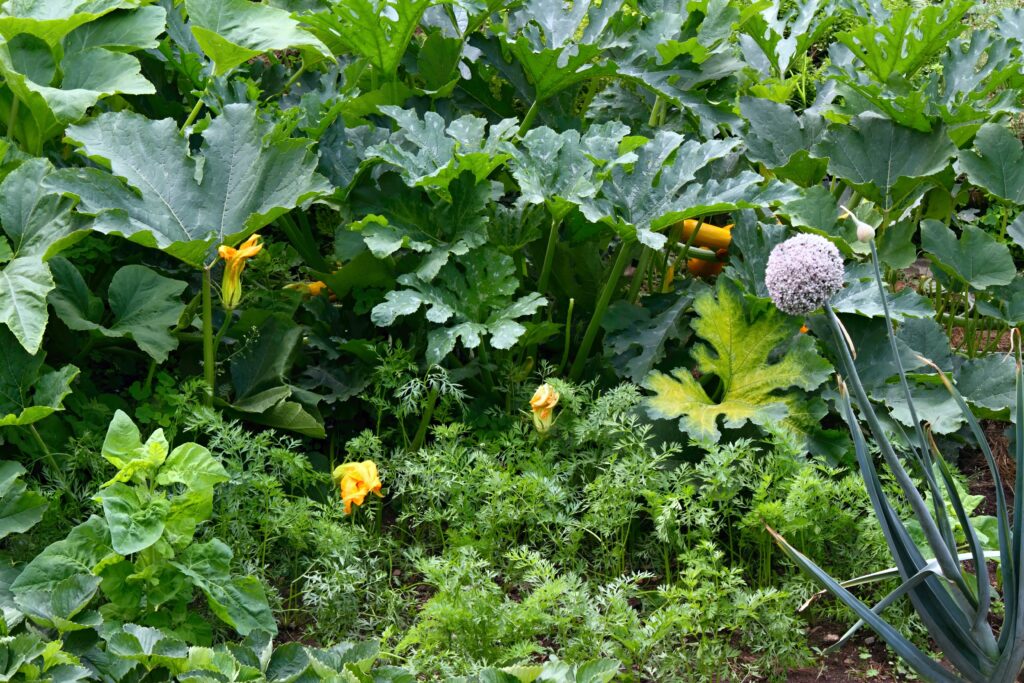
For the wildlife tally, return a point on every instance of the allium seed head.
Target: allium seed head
(803, 273)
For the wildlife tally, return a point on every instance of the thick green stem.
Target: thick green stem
(192, 115)
(549, 255)
(295, 77)
(641, 272)
(659, 105)
(58, 473)
(13, 118)
(623, 258)
(568, 337)
(531, 114)
(428, 414)
(209, 357)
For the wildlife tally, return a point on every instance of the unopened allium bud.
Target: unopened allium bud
(803, 273)
(865, 232)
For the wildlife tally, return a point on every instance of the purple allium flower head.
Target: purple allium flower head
(803, 273)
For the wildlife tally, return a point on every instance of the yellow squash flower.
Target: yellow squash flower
(356, 479)
(543, 405)
(234, 264)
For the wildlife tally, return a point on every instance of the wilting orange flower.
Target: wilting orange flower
(543, 405)
(234, 264)
(308, 288)
(356, 479)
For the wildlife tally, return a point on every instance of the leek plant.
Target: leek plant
(954, 604)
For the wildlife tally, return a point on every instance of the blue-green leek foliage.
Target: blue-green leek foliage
(953, 604)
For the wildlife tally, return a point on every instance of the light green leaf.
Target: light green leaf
(136, 30)
(135, 517)
(20, 509)
(976, 257)
(94, 64)
(29, 391)
(52, 20)
(123, 448)
(188, 510)
(151, 646)
(239, 602)
(82, 553)
(122, 441)
(376, 30)
(755, 388)
(160, 196)
(234, 31)
(908, 40)
(192, 465)
(24, 285)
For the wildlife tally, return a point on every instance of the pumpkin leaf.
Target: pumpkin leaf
(20, 509)
(159, 195)
(636, 337)
(883, 160)
(976, 258)
(94, 62)
(759, 379)
(29, 391)
(38, 224)
(907, 40)
(471, 299)
(996, 163)
(430, 154)
(231, 32)
(781, 140)
(668, 182)
(144, 306)
(379, 31)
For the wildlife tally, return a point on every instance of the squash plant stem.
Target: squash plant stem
(623, 258)
(209, 371)
(549, 254)
(58, 473)
(531, 114)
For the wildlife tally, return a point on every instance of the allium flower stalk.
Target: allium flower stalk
(803, 273)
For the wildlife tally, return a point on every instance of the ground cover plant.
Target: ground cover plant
(509, 340)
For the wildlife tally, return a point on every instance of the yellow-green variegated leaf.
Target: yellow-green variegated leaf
(743, 341)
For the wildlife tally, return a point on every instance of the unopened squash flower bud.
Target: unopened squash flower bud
(543, 406)
(865, 232)
(234, 264)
